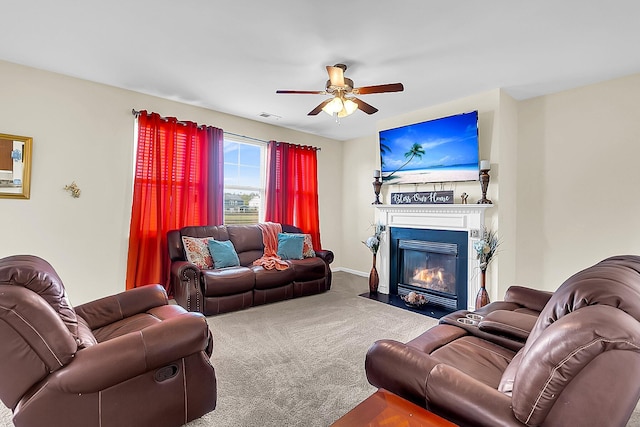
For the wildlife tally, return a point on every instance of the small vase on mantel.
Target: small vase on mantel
(374, 279)
(483, 297)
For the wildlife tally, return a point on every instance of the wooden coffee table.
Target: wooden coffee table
(385, 409)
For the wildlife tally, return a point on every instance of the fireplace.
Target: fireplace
(430, 262)
(465, 219)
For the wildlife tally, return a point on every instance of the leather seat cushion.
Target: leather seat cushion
(227, 281)
(269, 279)
(480, 359)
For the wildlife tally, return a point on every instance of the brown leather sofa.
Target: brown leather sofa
(579, 366)
(213, 291)
(130, 359)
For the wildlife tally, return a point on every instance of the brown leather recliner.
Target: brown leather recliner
(580, 364)
(129, 359)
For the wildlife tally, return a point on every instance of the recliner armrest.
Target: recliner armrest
(399, 368)
(114, 361)
(466, 401)
(119, 306)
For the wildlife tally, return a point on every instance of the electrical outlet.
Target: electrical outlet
(474, 233)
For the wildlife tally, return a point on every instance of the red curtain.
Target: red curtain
(292, 188)
(178, 182)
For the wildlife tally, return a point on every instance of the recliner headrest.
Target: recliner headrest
(38, 275)
(614, 281)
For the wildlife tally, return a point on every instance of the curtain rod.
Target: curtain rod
(137, 113)
(246, 137)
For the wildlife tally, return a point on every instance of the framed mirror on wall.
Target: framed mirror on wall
(15, 166)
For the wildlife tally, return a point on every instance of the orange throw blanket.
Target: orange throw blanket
(270, 260)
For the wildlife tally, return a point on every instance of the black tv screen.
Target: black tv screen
(440, 150)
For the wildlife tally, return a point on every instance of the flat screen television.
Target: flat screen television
(439, 150)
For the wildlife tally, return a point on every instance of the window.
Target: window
(244, 181)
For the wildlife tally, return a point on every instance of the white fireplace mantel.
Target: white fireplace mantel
(458, 217)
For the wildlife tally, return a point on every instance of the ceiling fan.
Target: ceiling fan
(343, 102)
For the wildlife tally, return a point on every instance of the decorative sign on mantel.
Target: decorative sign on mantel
(422, 198)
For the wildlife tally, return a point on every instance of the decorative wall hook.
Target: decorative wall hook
(73, 189)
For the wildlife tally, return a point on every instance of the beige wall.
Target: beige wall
(578, 180)
(83, 132)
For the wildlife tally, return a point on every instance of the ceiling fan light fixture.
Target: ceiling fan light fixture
(349, 106)
(334, 106)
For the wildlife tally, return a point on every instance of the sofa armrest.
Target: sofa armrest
(466, 401)
(119, 306)
(533, 299)
(111, 362)
(185, 281)
(400, 369)
(326, 255)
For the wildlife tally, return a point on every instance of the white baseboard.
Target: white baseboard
(351, 271)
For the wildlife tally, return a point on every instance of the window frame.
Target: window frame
(261, 190)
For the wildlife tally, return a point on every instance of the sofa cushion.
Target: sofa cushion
(223, 253)
(307, 248)
(290, 246)
(227, 281)
(197, 251)
(269, 279)
(246, 238)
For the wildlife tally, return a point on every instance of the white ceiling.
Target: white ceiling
(231, 56)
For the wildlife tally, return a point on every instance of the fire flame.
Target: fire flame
(429, 276)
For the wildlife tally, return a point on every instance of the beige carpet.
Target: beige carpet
(300, 362)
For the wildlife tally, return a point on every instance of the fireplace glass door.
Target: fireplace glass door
(429, 265)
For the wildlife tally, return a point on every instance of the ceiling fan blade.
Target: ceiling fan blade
(307, 92)
(316, 110)
(336, 76)
(367, 108)
(391, 87)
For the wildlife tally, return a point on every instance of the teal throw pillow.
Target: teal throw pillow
(223, 253)
(290, 246)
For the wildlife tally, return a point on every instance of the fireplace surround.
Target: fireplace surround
(467, 219)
